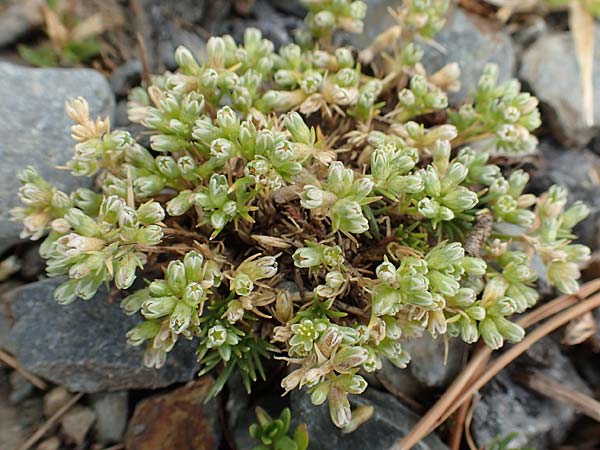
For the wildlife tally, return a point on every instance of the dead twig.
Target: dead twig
(144, 58)
(13, 363)
(558, 391)
(46, 426)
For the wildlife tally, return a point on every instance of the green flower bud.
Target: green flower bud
(298, 129)
(150, 235)
(348, 358)
(82, 223)
(159, 288)
(187, 167)
(150, 213)
(242, 285)
(307, 257)
(347, 216)
(468, 331)
(319, 393)
(575, 214)
(324, 20)
(490, 334)
(228, 121)
(474, 266)
(180, 204)
(125, 270)
(186, 61)
(143, 332)
(167, 166)
(176, 276)
(180, 318)
(157, 307)
(511, 331)
(312, 197)
(66, 293)
(215, 52)
(149, 185)
(133, 303)
(194, 294)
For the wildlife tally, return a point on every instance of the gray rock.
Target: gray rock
(469, 40)
(18, 19)
(6, 318)
(76, 424)
(427, 371)
(112, 410)
(472, 42)
(550, 68)
(427, 364)
(579, 171)
(508, 407)
(391, 421)
(35, 130)
(83, 345)
(21, 388)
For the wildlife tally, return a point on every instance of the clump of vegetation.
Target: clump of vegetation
(273, 433)
(312, 204)
(71, 42)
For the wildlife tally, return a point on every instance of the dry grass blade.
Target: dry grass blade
(476, 367)
(580, 329)
(581, 23)
(558, 391)
(50, 423)
(514, 352)
(456, 433)
(12, 362)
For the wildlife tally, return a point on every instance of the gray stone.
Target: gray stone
(18, 19)
(579, 171)
(21, 388)
(76, 424)
(508, 407)
(35, 130)
(428, 365)
(83, 345)
(469, 40)
(550, 68)
(472, 42)
(112, 410)
(391, 421)
(427, 370)
(6, 318)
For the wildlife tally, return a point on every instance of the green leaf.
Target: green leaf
(301, 436)
(44, 57)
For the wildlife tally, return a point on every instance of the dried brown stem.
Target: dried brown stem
(456, 433)
(514, 352)
(558, 391)
(41, 431)
(12, 362)
(476, 368)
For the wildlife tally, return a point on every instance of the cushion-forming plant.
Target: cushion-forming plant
(315, 204)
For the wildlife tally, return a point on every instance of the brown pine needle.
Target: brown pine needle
(13, 363)
(448, 403)
(514, 352)
(456, 433)
(558, 391)
(581, 23)
(41, 431)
